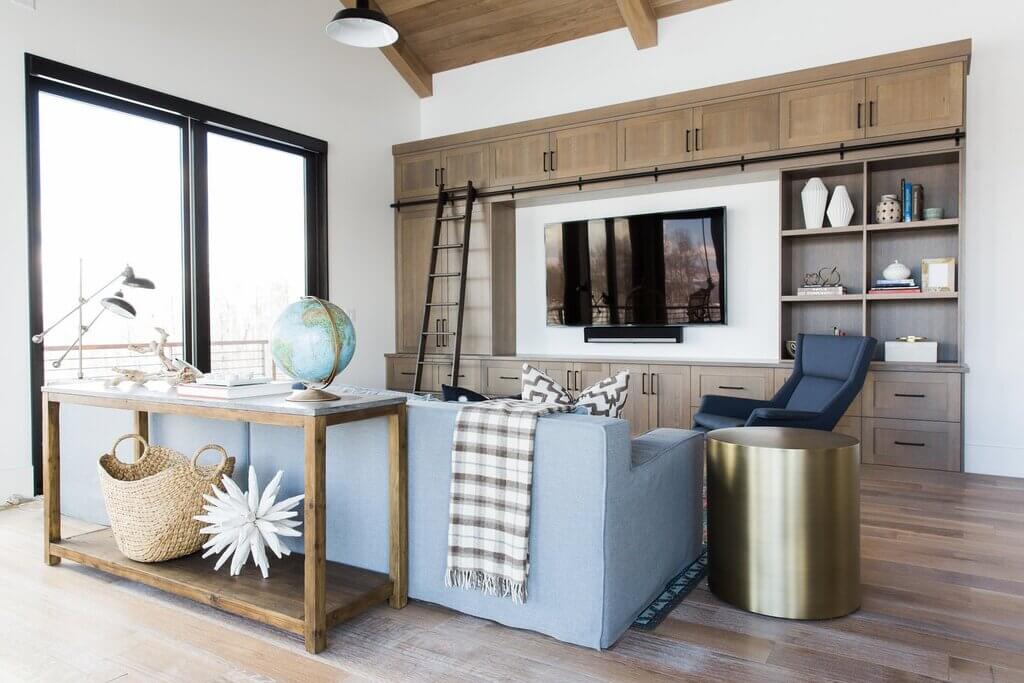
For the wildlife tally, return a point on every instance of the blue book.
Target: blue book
(908, 197)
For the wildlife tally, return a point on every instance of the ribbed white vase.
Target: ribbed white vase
(813, 197)
(840, 209)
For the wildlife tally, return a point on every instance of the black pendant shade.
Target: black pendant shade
(117, 304)
(361, 26)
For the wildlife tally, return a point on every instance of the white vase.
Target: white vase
(813, 197)
(896, 271)
(840, 209)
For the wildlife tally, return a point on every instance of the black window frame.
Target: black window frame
(195, 121)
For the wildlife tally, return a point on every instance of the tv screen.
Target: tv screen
(647, 269)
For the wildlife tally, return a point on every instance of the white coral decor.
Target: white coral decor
(244, 523)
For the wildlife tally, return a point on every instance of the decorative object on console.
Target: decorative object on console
(938, 274)
(460, 394)
(605, 398)
(215, 391)
(813, 197)
(247, 523)
(896, 271)
(912, 349)
(151, 502)
(826, 282)
(313, 340)
(115, 304)
(934, 213)
(888, 210)
(176, 371)
(840, 208)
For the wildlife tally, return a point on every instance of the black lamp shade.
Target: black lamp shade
(130, 280)
(361, 26)
(116, 304)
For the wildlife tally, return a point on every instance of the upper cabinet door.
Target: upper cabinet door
(583, 151)
(825, 113)
(655, 140)
(462, 164)
(922, 99)
(736, 127)
(417, 175)
(520, 160)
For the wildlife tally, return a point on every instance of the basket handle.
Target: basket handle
(137, 437)
(211, 447)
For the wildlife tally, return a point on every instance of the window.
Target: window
(226, 215)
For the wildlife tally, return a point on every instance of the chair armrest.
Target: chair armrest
(780, 417)
(731, 406)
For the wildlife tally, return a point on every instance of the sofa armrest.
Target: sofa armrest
(731, 406)
(780, 417)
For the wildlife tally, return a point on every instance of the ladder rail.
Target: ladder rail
(463, 271)
(425, 328)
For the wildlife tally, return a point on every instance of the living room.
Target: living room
(336, 217)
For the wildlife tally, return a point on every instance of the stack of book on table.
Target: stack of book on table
(232, 387)
(821, 290)
(908, 286)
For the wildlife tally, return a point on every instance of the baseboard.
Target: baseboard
(1005, 461)
(15, 480)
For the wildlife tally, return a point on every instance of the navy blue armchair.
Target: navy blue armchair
(828, 372)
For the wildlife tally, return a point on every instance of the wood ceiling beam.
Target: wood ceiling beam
(405, 61)
(641, 22)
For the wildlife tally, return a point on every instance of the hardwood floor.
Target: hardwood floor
(943, 574)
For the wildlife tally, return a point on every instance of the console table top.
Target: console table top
(348, 403)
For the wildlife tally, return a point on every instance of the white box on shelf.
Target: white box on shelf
(912, 352)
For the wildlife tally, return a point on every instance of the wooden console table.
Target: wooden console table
(305, 595)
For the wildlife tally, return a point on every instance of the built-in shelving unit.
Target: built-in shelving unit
(862, 250)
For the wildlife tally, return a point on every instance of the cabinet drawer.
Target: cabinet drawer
(912, 443)
(728, 381)
(913, 395)
(503, 379)
(855, 409)
(469, 375)
(401, 375)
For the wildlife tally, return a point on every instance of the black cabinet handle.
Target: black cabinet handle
(568, 380)
(545, 162)
(554, 159)
(654, 384)
(442, 175)
(643, 383)
(860, 106)
(696, 139)
(436, 181)
(687, 140)
(506, 377)
(909, 443)
(408, 374)
(909, 395)
(871, 113)
(732, 388)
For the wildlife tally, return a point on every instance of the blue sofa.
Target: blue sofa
(612, 521)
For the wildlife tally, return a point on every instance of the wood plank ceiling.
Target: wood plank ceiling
(438, 35)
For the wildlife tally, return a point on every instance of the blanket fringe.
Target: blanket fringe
(488, 583)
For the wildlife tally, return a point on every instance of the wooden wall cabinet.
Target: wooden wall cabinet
(462, 164)
(520, 160)
(822, 114)
(414, 234)
(417, 175)
(582, 151)
(655, 139)
(916, 100)
(734, 127)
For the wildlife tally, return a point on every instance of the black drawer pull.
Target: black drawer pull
(909, 395)
(409, 374)
(909, 443)
(506, 377)
(732, 388)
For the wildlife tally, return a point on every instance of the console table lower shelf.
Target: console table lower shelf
(277, 601)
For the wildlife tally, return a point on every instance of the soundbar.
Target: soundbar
(633, 334)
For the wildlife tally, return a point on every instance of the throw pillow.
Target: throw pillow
(461, 394)
(540, 388)
(608, 397)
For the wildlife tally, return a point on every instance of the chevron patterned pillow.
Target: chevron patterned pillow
(607, 398)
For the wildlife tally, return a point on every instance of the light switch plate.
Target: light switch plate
(28, 4)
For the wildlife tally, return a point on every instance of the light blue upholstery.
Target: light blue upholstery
(611, 524)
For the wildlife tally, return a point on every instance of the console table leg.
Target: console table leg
(140, 423)
(315, 595)
(398, 493)
(51, 478)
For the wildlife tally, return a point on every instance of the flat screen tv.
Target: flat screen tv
(647, 269)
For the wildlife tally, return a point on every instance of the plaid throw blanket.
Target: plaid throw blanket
(492, 475)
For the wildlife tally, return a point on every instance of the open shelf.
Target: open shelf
(820, 298)
(277, 601)
(914, 225)
(937, 173)
(850, 174)
(923, 296)
(930, 317)
(822, 232)
(823, 250)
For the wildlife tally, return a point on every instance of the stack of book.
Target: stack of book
(907, 286)
(821, 290)
(230, 390)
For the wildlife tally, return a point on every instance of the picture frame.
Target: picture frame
(938, 274)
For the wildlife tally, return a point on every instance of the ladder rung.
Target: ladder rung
(439, 334)
(445, 274)
(448, 246)
(445, 363)
(443, 303)
(452, 218)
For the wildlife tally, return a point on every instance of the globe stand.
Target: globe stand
(312, 396)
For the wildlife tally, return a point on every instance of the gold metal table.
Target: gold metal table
(784, 521)
(306, 594)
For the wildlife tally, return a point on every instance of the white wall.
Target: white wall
(265, 59)
(743, 39)
(752, 226)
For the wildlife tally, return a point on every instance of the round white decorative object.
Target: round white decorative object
(896, 271)
(840, 209)
(813, 197)
(888, 210)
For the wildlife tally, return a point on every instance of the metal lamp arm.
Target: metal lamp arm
(38, 338)
(78, 342)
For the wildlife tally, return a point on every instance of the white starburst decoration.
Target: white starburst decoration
(243, 524)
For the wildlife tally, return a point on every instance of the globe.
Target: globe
(312, 341)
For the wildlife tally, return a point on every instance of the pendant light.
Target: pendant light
(361, 26)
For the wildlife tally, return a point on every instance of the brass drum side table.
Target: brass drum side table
(784, 521)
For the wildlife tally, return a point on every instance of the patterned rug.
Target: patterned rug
(677, 589)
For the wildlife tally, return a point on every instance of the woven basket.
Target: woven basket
(151, 502)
